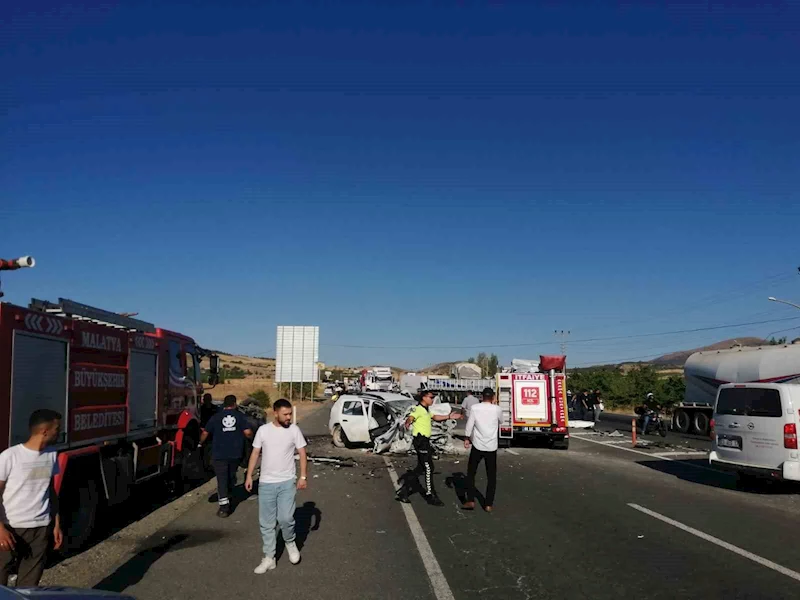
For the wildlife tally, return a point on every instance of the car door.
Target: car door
(355, 421)
(748, 424)
(381, 419)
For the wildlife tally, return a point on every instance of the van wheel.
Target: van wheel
(79, 507)
(682, 421)
(339, 437)
(701, 423)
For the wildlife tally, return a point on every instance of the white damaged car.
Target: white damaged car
(359, 418)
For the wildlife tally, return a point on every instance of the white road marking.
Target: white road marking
(650, 455)
(680, 453)
(441, 589)
(514, 452)
(722, 544)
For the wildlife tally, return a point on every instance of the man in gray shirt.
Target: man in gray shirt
(467, 404)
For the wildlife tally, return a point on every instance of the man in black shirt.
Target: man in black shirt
(228, 429)
(207, 410)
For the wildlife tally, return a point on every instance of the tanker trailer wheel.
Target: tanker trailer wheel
(79, 500)
(701, 423)
(682, 421)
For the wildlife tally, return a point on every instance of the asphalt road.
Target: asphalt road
(564, 526)
(622, 423)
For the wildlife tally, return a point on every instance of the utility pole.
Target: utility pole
(562, 334)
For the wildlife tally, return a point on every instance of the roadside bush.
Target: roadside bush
(262, 397)
(625, 390)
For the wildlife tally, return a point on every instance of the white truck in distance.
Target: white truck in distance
(378, 379)
(706, 371)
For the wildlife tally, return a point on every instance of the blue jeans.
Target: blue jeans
(276, 503)
(645, 423)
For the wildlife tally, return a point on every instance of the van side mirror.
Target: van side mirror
(213, 369)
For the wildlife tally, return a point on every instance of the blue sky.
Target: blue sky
(415, 174)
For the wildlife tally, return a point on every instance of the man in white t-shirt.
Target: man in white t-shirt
(276, 443)
(482, 431)
(26, 475)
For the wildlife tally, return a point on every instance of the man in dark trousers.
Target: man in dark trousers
(27, 501)
(420, 422)
(483, 427)
(228, 430)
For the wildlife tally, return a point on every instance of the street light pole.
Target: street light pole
(773, 299)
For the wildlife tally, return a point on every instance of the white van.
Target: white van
(755, 430)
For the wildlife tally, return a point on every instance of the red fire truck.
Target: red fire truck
(535, 404)
(128, 392)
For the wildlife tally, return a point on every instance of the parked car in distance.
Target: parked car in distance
(755, 429)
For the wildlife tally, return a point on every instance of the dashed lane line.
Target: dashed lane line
(721, 543)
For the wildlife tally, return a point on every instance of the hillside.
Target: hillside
(677, 359)
(442, 368)
(259, 375)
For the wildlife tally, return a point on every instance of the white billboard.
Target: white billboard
(297, 354)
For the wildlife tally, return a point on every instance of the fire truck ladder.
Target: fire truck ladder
(457, 385)
(84, 312)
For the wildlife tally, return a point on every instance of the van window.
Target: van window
(749, 402)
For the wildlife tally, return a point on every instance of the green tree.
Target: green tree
(262, 397)
(493, 367)
(482, 360)
(778, 342)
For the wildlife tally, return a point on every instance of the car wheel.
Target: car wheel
(339, 438)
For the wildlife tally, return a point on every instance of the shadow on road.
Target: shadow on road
(307, 518)
(133, 570)
(688, 470)
(458, 483)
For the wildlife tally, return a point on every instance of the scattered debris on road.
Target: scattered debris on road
(397, 439)
(335, 461)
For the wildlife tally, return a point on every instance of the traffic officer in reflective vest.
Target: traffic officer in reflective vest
(420, 422)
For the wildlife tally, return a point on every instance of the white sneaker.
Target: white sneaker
(265, 565)
(294, 553)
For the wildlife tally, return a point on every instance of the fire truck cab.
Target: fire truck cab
(128, 392)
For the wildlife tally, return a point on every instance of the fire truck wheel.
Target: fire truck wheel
(79, 506)
(560, 444)
(339, 437)
(504, 443)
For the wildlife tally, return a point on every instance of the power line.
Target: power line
(550, 342)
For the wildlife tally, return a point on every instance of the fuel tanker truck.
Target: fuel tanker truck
(706, 371)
